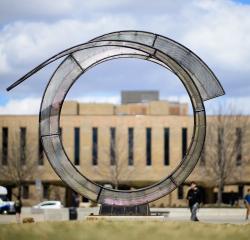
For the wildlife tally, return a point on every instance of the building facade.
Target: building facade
(125, 146)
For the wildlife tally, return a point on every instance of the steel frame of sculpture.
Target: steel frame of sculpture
(199, 81)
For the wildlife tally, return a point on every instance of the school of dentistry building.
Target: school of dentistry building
(144, 136)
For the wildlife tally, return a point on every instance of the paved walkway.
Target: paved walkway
(208, 215)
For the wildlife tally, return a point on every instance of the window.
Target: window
(94, 146)
(23, 145)
(85, 200)
(166, 146)
(46, 191)
(238, 145)
(40, 152)
(112, 146)
(77, 146)
(4, 146)
(25, 191)
(184, 142)
(241, 191)
(148, 147)
(131, 146)
(180, 192)
(48, 204)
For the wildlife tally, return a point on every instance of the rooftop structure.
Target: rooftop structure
(139, 96)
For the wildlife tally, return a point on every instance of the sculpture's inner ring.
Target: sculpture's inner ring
(64, 77)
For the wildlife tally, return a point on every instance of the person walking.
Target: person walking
(18, 208)
(247, 203)
(194, 200)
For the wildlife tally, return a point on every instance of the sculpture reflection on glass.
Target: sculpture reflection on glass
(199, 81)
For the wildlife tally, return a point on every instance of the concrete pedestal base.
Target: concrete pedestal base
(110, 210)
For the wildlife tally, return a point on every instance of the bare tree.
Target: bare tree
(116, 167)
(54, 192)
(225, 148)
(20, 166)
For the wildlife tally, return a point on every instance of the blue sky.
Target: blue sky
(243, 1)
(31, 31)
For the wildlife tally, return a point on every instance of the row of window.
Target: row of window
(46, 191)
(26, 193)
(22, 147)
(180, 191)
(113, 146)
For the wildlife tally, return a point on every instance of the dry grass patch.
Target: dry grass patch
(76, 230)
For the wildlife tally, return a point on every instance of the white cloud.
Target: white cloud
(21, 106)
(26, 43)
(4, 67)
(181, 99)
(237, 105)
(48, 9)
(31, 106)
(99, 99)
(218, 31)
(221, 33)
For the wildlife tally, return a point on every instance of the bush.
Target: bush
(28, 220)
(162, 205)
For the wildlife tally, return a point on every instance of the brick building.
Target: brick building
(150, 139)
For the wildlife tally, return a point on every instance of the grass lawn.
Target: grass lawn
(123, 230)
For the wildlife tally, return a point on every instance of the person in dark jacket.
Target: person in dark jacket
(194, 200)
(247, 203)
(18, 208)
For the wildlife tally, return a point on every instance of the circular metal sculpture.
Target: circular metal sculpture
(199, 81)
